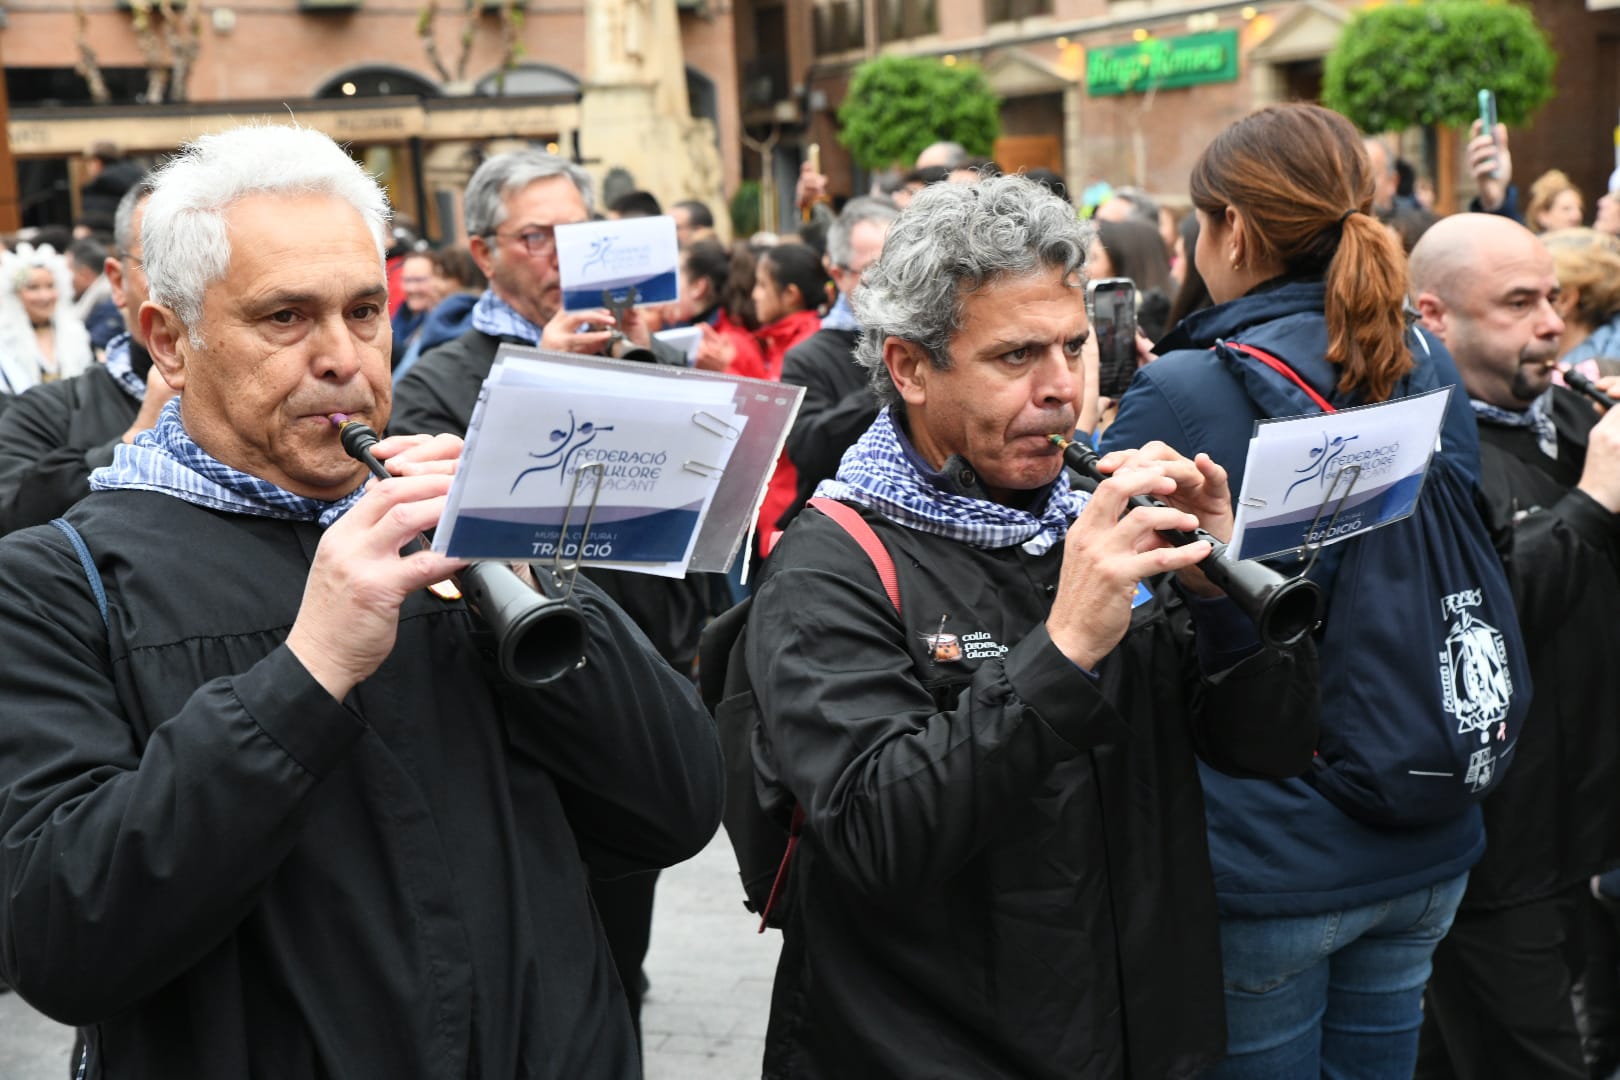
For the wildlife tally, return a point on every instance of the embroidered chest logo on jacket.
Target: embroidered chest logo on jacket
(944, 648)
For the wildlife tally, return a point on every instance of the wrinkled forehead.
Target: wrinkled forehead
(313, 240)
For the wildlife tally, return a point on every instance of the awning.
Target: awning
(65, 132)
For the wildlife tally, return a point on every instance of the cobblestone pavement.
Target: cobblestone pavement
(31, 1047)
(703, 1019)
(710, 974)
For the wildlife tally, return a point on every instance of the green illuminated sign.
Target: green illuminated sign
(1163, 63)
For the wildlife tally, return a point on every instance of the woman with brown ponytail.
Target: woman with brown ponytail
(1327, 922)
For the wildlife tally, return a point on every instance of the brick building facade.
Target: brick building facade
(354, 68)
(1056, 65)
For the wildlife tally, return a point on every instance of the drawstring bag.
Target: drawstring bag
(1424, 681)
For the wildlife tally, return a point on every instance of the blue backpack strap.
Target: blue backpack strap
(91, 574)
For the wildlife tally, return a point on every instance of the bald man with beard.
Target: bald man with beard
(1498, 1002)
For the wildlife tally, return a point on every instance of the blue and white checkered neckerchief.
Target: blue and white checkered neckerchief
(167, 460)
(122, 370)
(496, 317)
(881, 472)
(1538, 417)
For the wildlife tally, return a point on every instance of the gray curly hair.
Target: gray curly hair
(951, 240)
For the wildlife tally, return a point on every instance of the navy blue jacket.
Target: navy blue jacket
(1278, 847)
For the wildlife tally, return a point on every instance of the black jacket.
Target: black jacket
(837, 409)
(1555, 820)
(220, 871)
(437, 395)
(51, 439)
(1003, 870)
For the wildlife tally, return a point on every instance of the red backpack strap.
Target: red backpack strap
(1281, 368)
(852, 523)
(781, 871)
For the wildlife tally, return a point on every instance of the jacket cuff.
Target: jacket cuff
(1589, 519)
(1065, 696)
(294, 710)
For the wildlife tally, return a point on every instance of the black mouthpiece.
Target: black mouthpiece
(1582, 385)
(357, 439)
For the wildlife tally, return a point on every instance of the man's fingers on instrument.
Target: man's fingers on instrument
(382, 497)
(1164, 560)
(424, 568)
(446, 467)
(394, 445)
(1114, 494)
(1149, 520)
(418, 447)
(1143, 478)
(404, 521)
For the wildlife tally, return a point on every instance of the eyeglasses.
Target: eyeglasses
(537, 241)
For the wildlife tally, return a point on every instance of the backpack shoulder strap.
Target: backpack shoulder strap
(91, 574)
(852, 522)
(1282, 368)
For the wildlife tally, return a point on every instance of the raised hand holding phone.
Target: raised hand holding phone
(1112, 305)
(1487, 125)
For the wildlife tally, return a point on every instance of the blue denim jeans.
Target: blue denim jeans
(1337, 995)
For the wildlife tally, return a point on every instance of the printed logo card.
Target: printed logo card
(685, 338)
(552, 447)
(634, 261)
(1319, 479)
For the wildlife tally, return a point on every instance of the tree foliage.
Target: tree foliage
(745, 210)
(898, 105)
(1409, 64)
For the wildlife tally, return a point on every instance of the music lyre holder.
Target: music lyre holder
(1310, 550)
(558, 568)
(620, 308)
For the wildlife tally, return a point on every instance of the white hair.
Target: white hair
(185, 246)
(21, 363)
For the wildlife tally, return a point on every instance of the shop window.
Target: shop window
(900, 19)
(377, 80)
(996, 11)
(539, 80)
(840, 26)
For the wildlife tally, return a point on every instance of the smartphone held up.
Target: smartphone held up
(1487, 126)
(1111, 305)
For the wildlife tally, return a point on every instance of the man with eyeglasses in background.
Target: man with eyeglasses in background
(514, 203)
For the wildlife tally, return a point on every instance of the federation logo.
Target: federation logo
(1321, 459)
(576, 438)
